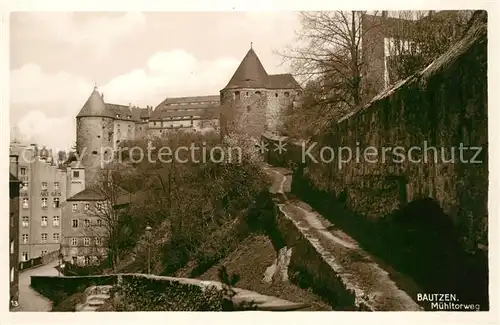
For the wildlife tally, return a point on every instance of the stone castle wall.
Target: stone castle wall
(436, 111)
(94, 136)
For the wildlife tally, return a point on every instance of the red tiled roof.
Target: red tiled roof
(282, 81)
(250, 73)
(95, 106)
(87, 195)
(206, 107)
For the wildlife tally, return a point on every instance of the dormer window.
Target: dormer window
(117, 116)
(129, 117)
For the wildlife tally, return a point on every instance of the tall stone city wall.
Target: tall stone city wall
(437, 111)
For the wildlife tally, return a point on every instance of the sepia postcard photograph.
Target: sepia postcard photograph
(248, 161)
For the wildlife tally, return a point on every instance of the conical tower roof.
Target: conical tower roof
(95, 106)
(250, 73)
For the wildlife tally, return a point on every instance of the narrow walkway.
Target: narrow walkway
(29, 299)
(372, 284)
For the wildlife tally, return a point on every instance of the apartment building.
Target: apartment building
(14, 231)
(45, 185)
(84, 228)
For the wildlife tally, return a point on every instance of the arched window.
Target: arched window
(257, 93)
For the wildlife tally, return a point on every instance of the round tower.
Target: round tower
(94, 135)
(244, 99)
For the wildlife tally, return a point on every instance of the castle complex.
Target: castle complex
(252, 102)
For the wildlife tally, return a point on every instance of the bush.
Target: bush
(143, 294)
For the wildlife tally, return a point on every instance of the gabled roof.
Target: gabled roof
(282, 81)
(250, 73)
(95, 106)
(87, 195)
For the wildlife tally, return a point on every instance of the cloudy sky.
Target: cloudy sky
(137, 58)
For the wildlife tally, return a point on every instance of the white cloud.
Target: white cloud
(44, 105)
(174, 73)
(57, 133)
(99, 32)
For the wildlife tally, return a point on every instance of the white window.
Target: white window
(25, 256)
(25, 238)
(12, 247)
(22, 171)
(74, 223)
(44, 237)
(75, 207)
(44, 221)
(26, 222)
(74, 241)
(55, 221)
(44, 203)
(56, 186)
(56, 202)
(86, 206)
(86, 223)
(25, 203)
(44, 252)
(55, 236)
(86, 241)
(44, 186)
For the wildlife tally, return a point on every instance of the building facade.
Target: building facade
(84, 228)
(14, 185)
(45, 185)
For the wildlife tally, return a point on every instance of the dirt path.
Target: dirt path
(372, 284)
(29, 299)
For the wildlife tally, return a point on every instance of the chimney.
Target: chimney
(384, 13)
(102, 96)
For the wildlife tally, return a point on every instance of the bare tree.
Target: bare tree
(328, 58)
(106, 216)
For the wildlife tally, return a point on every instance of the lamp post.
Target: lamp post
(61, 256)
(148, 232)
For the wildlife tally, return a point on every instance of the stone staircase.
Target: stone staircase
(95, 298)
